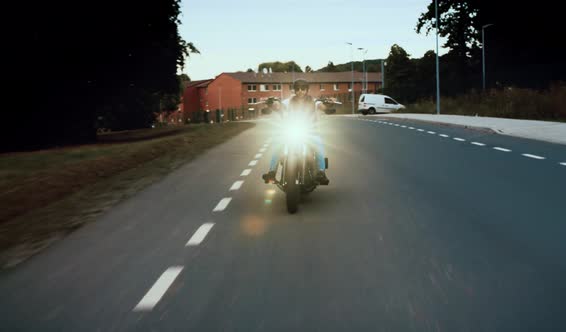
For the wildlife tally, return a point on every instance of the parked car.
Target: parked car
(376, 103)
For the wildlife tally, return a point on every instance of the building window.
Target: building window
(251, 87)
(263, 87)
(276, 87)
(321, 87)
(252, 100)
(336, 86)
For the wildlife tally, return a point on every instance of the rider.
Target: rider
(302, 101)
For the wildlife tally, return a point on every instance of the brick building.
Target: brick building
(232, 96)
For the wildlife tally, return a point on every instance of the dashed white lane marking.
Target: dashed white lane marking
(478, 144)
(159, 288)
(411, 128)
(258, 156)
(443, 135)
(501, 149)
(246, 172)
(265, 145)
(222, 204)
(563, 164)
(533, 156)
(431, 132)
(420, 129)
(252, 163)
(459, 139)
(262, 150)
(403, 126)
(236, 185)
(200, 234)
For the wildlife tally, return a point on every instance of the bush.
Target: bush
(510, 102)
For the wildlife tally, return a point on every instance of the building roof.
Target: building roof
(313, 77)
(199, 84)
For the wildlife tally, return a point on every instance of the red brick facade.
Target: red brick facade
(236, 95)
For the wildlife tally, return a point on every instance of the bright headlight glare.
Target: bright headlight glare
(295, 131)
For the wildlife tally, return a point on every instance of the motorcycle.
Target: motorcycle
(297, 163)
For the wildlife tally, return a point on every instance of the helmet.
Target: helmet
(300, 83)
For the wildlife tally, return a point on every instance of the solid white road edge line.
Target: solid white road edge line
(159, 288)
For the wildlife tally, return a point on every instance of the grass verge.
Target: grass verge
(47, 194)
(510, 103)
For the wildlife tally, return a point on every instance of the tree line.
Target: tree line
(72, 67)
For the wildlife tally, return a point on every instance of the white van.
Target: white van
(374, 103)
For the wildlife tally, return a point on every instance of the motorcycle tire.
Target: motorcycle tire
(292, 190)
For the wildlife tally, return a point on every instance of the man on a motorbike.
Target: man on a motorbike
(301, 102)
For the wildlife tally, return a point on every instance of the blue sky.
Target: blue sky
(236, 35)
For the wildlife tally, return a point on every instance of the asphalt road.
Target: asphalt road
(416, 232)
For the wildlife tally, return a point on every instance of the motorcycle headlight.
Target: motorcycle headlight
(296, 131)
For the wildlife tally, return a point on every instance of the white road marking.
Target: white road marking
(222, 204)
(478, 144)
(563, 164)
(246, 172)
(265, 145)
(443, 135)
(258, 156)
(252, 163)
(459, 139)
(501, 149)
(403, 126)
(533, 156)
(420, 130)
(236, 185)
(411, 128)
(262, 150)
(431, 132)
(159, 288)
(200, 234)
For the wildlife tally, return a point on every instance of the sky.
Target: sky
(234, 35)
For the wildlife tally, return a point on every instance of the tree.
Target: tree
(308, 69)
(280, 67)
(400, 73)
(114, 61)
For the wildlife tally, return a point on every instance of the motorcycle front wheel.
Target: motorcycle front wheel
(292, 190)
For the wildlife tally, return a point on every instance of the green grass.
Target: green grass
(509, 103)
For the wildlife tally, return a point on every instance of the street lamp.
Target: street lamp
(364, 83)
(437, 70)
(352, 58)
(483, 52)
(383, 64)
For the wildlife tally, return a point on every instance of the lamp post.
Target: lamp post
(364, 76)
(437, 71)
(364, 80)
(383, 64)
(483, 52)
(352, 58)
